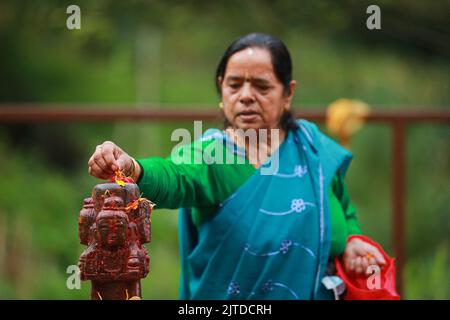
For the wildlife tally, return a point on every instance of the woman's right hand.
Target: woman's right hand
(109, 158)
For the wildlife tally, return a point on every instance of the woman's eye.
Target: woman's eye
(234, 85)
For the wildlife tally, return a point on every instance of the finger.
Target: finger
(352, 265)
(365, 264)
(366, 248)
(123, 163)
(377, 255)
(95, 171)
(362, 248)
(107, 152)
(372, 261)
(91, 160)
(358, 265)
(100, 161)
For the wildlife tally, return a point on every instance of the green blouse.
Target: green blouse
(179, 182)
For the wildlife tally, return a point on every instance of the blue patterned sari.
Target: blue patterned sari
(271, 238)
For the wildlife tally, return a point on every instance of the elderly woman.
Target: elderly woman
(245, 234)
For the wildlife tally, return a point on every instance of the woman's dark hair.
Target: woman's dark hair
(281, 62)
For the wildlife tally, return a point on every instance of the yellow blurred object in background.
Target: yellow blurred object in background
(344, 117)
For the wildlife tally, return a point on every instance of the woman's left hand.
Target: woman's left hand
(359, 255)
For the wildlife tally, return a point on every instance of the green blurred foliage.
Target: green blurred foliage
(164, 53)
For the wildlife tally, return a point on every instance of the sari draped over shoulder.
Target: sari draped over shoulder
(271, 238)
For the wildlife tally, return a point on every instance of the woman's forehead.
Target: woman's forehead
(250, 60)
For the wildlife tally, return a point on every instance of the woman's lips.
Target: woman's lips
(248, 116)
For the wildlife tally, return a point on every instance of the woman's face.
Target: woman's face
(252, 95)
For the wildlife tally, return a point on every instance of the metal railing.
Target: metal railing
(397, 120)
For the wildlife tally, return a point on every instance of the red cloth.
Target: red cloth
(356, 284)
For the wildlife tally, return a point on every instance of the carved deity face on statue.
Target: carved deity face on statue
(112, 223)
(143, 221)
(85, 221)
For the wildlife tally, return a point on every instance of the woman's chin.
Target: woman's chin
(245, 125)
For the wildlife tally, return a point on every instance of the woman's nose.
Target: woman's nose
(246, 96)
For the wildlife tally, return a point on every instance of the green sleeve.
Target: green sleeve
(185, 180)
(171, 184)
(340, 191)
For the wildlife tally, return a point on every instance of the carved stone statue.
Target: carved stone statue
(115, 223)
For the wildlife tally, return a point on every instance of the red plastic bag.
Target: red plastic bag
(357, 284)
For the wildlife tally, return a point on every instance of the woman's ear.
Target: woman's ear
(290, 94)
